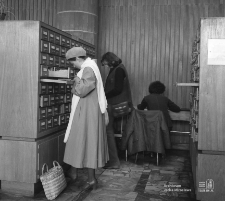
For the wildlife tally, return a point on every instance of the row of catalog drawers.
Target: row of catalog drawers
(59, 39)
(54, 121)
(54, 88)
(55, 99)
(50, 111)
(51, 60)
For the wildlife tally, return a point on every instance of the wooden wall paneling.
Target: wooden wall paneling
(145, 81)
(100, 43)
(142, 53)
(39, 6)
(171, 53)
(132, 48)
(158, 17)
(36, 10)
(54, 9)
(167, 49)
(162, 42)
(28, 11)
(134, 3)
(181, 53)
(154, 45)
(124, 14)
(20, 9)
(128, 56)
(176, 53)
(138, 67)
(115, 30)
(111, 30)
(31, 9)
(24, 6)
(43, 11)
(120, 32)
(106, 44)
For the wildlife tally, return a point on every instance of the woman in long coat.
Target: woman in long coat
(86, 140)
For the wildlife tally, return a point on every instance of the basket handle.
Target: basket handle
(55, 164)
(44, 167)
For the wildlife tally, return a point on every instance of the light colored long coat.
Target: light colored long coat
(87, 142)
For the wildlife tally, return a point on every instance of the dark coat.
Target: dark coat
(110, 85)
(159, 102)
(146, 131)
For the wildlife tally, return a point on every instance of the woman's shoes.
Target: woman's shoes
(92, 184)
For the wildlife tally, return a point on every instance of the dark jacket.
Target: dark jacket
(111, 86)
(159, 102)
(146, 131)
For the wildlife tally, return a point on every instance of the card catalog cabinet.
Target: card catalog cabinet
(31, 53)
(35, 101)
(207, 143)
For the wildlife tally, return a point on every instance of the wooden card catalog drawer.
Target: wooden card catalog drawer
(67, 107)
(63, 41)
(56, 88)
(55, 121)
(57, 38)
(67, 116)
(68, 42)
(68, 97)
(57, 50)
(49, 111)
(44, 46)
(50, 88)
(42, 113)
(44, 59)
(62, 119)
(63, 51)
(42, 125)
(57, 62)
(52, 99)
(52, 48)
(44, 100)
(49, 123)
(62, 88)
(55, 110)
(44, 71)
(61, 99)
(56, 98)
(73, 43)
(43, 89)
(62, 62)
(68, 88)
(51, 60)
(51, 37)
(44, 34)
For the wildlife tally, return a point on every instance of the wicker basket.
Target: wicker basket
(53, 180)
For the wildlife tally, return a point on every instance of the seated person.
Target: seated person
(157, 101)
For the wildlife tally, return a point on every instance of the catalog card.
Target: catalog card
(216, 51)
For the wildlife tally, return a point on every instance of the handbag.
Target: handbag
(121, 109)
(53, 180)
